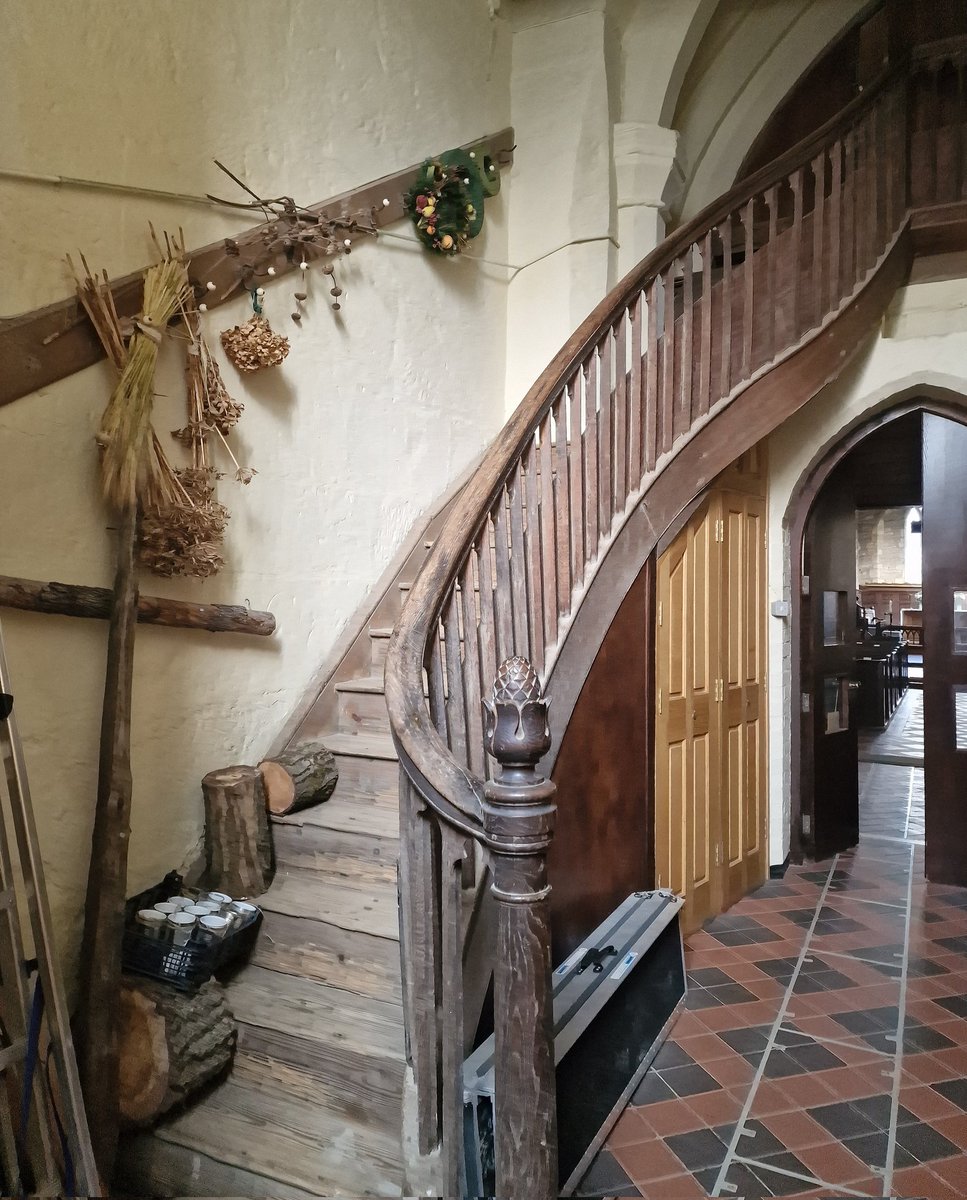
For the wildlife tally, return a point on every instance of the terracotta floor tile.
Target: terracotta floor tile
(953, 1171)
(806, 1091)
(705, 1047)
(771, 1098)
(796, 1130)
(669, 1117)
(832, 1163)
(716, 1108)
(928, 1104)
(629, 1129)
(648, 1161)
(928, 1068)
(731, 1072)
(952, 1128)
(683, 1187)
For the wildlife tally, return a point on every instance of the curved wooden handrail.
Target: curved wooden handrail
(453, 790)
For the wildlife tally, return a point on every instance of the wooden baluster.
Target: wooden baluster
(535, 574)
(487, 638)
(668, 339)
(847, 274)
(518, 561)
(473, 679)
(772, 302)
(748, 303)
(793, 274)
(636, 404)
(688, 338)
(605, 435)
(725, 361)
(518, 820)
(436, 686)
(835, 226)
(503, 593)
(620, 475)
(818, 308)
(420, 935)
(456, 712)
(592, 533)
(548, 533)
(651, 377)
(562, 509)
(453, 854)
(878, 209)
(705, 361)
(960, 121)
(576, 475)
(862, 234)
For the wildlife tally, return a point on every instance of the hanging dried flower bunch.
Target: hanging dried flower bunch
(182, 523)
(254, 344)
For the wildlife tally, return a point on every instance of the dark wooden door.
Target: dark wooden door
(829, 634)
(945, 648)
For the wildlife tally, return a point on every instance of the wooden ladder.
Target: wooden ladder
(45, 1145)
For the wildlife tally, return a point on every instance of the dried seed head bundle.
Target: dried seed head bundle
(183, 534)
(219, 408)
(254, 344)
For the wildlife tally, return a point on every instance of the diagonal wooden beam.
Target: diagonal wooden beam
(46, 344)
(75, 600)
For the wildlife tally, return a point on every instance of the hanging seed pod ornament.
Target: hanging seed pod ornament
(255, 344)
(446, 202)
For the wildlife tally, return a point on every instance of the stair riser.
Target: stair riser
(368, 776)
(353, 854)
(378, 647)
(363, 712)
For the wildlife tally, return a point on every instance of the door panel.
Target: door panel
(686, 825)
(742, 619)
(710, 745)
(944, 648)
(829, 632)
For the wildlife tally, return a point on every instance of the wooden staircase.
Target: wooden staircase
(312, 1105)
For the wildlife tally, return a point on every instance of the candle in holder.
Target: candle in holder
(167, 907)
(247, 912)
(152, 922)
(218, 898)
(181, 923)
(198, 910)
(213, 928)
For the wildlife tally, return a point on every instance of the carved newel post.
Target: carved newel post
(518, 818)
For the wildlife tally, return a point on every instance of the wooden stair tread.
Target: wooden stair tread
(288, 1140)
(317, 1012)
(361, 745)
(369, 684)
(357, 856)
(351, 812)
(343, 958)
(368, 908)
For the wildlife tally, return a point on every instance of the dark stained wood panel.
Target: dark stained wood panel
(602, 847)
(887, 466)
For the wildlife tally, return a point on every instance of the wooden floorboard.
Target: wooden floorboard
(345, 959)
(369, 907)
(356, 855)
(377, 814)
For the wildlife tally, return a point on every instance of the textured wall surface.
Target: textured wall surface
(369, 420)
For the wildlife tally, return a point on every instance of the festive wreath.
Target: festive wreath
(446, 202)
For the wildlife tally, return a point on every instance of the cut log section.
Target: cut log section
(171, 1044)
(298, 777)
(238, 843)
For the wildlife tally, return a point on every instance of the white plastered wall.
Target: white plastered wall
(363, 428)
(922, 342)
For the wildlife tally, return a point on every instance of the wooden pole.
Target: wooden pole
(100, 985)
(76, 600)
(518, 818)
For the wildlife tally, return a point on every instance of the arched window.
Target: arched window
(912, 547)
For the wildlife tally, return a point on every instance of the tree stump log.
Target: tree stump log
(171, 1044)
(298, 777)
(238, 843)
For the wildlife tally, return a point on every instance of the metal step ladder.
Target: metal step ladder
(45, 1144)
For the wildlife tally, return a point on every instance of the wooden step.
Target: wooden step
(361, 745)
(362, 905)
(350, 810)
(345, 959)
(362, 706)
(379, 644)
(355, 855)
(295, 1142)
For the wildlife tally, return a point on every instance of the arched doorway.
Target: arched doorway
(833, 661)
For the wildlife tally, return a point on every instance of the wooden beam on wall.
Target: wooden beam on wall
(46, 344)
(74, 600)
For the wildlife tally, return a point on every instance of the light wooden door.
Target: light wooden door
(710, 726)
(741, 663)
(687, 817)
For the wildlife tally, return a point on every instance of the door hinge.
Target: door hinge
(720, 530)
(661, 611)
(807, 824)
(805, 585)
(719, 690)
(659, 700)
(718, 854)
(806, 702)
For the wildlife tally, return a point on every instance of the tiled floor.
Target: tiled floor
(901, 742)
(824, 1050)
